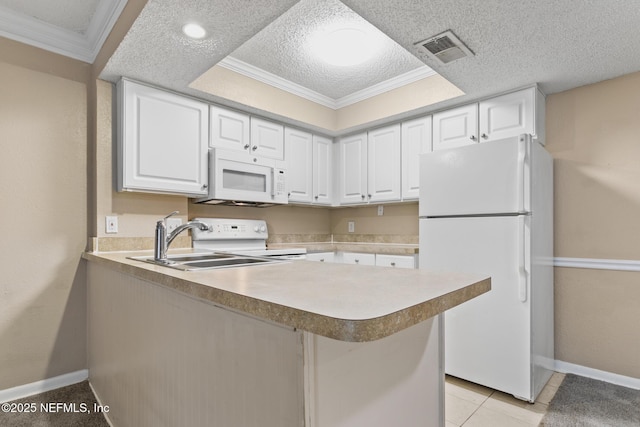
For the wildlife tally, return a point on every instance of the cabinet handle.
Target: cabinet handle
(204, 186)
(393, 264)
(472, 137)
(321, 259)
(254, 148)
(362, 195)
(357, 261)
(246, 146)
(485, 136)
(316, 197)
(288, 194)
(369, 195)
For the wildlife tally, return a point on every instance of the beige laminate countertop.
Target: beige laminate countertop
(344, 302)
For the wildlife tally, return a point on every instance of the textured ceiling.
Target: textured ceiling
(284, 49)
(559, 44)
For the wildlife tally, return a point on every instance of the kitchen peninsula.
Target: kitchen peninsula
(288, 344)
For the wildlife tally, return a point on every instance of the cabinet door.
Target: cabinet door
(353, 169)
(358, 258)
(396, 261)
(229, 129)
(299, 158)
(507, 115)
(267, 139)
(416, 140)
(383, 160)
(322, 170)
(162, 144)
(456, 127)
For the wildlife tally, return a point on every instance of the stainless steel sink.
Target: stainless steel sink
(204, 261)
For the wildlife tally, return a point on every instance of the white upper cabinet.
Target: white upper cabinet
(456, 127)
(267, 138)
(383, 155)
(510, 115)
(298, 147)
(370, 166)
(322, 170)
(353, 168)
(309, 167)
(162, 141)
(229, 129)
(416, 140)
(497, 118)
(238, 131)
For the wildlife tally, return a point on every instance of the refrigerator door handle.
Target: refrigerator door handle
(522, 156)
(523, 283)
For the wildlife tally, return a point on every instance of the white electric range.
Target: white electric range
(240, 236)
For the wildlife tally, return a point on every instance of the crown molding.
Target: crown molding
(34, 32)
(385, 86)
(263, 76)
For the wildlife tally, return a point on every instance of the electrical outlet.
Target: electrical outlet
(111, 224)
(380, 210)
(173, 223)
(352, 226)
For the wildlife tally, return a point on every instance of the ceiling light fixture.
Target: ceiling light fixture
(343, 47)
(194, 31)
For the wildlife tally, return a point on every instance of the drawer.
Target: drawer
(397, 261)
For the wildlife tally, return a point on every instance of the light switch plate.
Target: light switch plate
(352, 226)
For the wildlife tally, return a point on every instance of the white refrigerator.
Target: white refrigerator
(488, 208)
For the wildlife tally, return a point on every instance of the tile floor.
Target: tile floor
(472, 405)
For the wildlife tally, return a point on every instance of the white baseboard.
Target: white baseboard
(596, 374)
(27, 390)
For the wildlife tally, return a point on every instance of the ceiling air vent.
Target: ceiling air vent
(444, 47)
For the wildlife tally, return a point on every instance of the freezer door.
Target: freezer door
(486, 178)
(487, 339)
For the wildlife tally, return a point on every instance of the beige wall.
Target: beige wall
(137, 212)
(592, 132)
(397, 219)
(43, 190)
(231, 85)
(424, 92)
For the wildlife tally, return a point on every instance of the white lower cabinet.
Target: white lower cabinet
(396, 261)
(358, 258)
(321, 256)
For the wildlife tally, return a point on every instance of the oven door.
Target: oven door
(238, 176)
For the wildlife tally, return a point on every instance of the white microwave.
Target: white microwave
(239, 178)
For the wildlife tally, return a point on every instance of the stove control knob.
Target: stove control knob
(256, 228)
(263, 228)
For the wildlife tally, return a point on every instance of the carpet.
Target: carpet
(585, 402)
(71, 406)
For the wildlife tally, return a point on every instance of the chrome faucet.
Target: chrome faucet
(162, 240)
